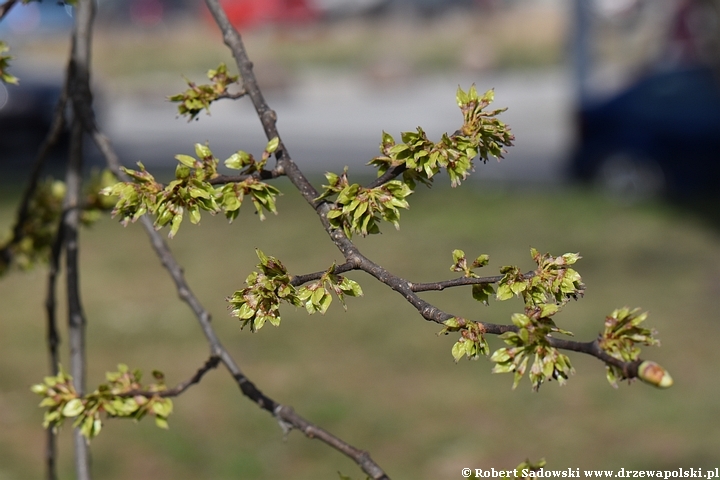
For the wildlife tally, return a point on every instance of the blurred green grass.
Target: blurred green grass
(377, 375)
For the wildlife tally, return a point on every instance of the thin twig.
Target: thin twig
(259, 175)
(460, 282)
(232, 96)
(387, 176)
(178, 390)
(298, 280)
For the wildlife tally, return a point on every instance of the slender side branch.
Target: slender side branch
(387, 176)
(261, 175)
(459, 282)
(232, 96)
(298, 280)
(210, 364)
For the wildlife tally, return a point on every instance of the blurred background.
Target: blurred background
(615, 105)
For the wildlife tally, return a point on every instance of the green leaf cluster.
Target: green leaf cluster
(37, 233)
(530, 467)
(316, 296)
(262, 194)
(553, 282)
(481, 135)
(472, 341)
(544, 293)
(532, 338)
(622, 335)
(260, 300)
(358, 209)
(192, 190)
(480, 291)
(119, 397)
(5, 63)
(199, 97)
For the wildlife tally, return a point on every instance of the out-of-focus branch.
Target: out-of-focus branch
(53, 342)
(78, 81)
(6, 6)
(76, 316)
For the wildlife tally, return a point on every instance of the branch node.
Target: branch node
(270, 116)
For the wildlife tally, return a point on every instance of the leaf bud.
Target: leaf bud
(654, 374)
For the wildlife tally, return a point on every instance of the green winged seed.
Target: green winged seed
(186, 160)
(202, 151)
(73, 408)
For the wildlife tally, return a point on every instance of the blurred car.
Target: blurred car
(26, 112)
(661, 136)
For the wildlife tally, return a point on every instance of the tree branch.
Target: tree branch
(260, 175)
(387, 176)
(76, 316)
(78, 81)
(53, 342)
(285, 415)
(6, 6)
(355, 259)
(210, 364)
(267, 116)
(459, 282)
(268, 119)
(298, 280)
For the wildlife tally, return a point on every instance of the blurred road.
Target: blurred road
(328, 121)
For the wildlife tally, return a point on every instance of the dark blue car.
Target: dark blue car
(660, 136)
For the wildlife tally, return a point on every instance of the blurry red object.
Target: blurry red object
(249, 13)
